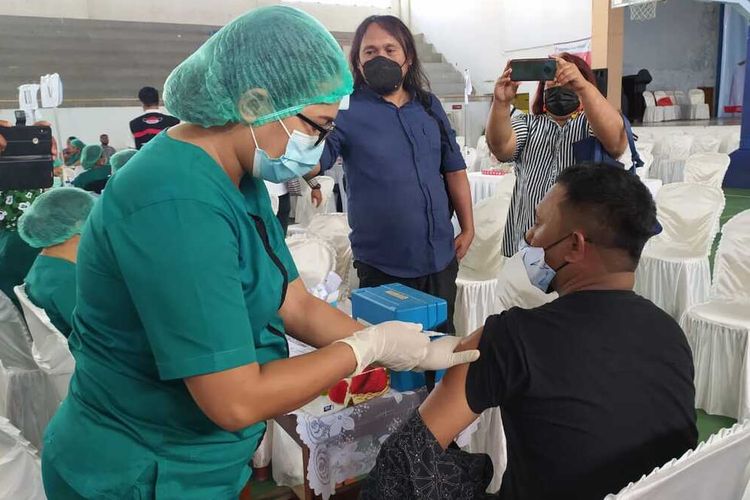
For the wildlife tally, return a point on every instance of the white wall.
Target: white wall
(679, 47)
(483, 34)
(334, 17)
(88, 123)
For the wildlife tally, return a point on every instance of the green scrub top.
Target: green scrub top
(179, 274)
(51, 285)
(16, 258)
(95, 174)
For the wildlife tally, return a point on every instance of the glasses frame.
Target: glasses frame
(323, 132)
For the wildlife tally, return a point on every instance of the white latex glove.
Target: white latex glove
(440, 355)
(394, 344)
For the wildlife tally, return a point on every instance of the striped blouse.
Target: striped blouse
(543, 150)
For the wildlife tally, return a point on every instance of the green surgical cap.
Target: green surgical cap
(77, 143)
(120, 158)
(90, 156)
(263, 66)
(55, 216)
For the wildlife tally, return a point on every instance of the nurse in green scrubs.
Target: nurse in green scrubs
(119, 159)
(72, 154)
(54, 223)
(96, 169)
(186, 287)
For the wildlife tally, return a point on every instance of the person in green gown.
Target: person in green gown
(96, 169)
(54, 223)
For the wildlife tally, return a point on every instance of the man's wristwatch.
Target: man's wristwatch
(313, 184)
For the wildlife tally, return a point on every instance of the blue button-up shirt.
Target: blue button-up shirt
(398, 202)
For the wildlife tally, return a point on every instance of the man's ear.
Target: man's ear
(578, 248)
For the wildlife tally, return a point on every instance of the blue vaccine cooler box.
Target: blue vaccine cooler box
(400, 303)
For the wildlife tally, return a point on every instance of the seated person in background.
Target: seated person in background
(595, 388)
(119, 159)
(54, 223)
(96, 169)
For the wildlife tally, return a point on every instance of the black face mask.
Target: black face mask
(560, 101)
(382, 75)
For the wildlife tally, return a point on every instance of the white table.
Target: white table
(483, 186)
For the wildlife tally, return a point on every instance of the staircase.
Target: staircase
(104, 63)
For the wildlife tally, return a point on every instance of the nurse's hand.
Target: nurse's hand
(440, 355)
(394, 344)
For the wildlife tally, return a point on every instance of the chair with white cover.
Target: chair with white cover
(699, 109)
(674, 272)
(670, 156)
(314, 258)
(334, 228)
(27, 398)
(20, 468)
(644, 147)
(706, 143)
(306, 209)
(717, 469)
(470, 155)
(50, 347)
(676, 105)
(480, 267)
(670, 110)
(707, 168)
(644, 172)
(718, 329)
(653, 113)
(730, 143)
(683, 101)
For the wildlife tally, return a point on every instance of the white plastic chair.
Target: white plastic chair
(306, 209)
(699, 110)
(706, 144)
(707, 168)
(670, 111)
(670, 156)
(20, 468)
(479, 269)
(314, 258)
(716, 470)
(674, 272)
(334, 228)
(653, 113)
(50, 347)
(718, 329)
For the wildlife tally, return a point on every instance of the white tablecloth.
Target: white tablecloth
(483, 186)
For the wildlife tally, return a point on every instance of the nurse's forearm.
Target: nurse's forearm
(313, 321)
(240, 397)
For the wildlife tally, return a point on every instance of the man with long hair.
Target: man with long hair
(404, 170)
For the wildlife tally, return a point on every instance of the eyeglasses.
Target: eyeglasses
(323, 132)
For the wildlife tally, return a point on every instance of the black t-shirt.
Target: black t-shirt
(148, 125)
(595, 389)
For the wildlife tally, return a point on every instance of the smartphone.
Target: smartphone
(26, 162)
(536, 70)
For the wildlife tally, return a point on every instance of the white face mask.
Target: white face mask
(540, 273)
(300, 157)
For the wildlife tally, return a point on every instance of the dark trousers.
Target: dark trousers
(285, 207)
(441, 284)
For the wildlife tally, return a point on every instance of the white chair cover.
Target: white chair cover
(50, 347)
(653, 113)
(731, 143)
(670, 157)
(20, 468)
(674, 272)
(707, 168)
(334, 228)
(716, 470)
(264, 452)
(470, 155)
(306, 209)
(676, 105)
(644, 172)
(699, 110)
(643, 147)
(314, 258)
(706, 144)
(683, 101)
(27, 398)
(717, 330)
(670, 111)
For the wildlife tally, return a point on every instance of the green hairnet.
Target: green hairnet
(265, 65)
(120, 158)
(78, 143)
(55, 216)
(90, 156)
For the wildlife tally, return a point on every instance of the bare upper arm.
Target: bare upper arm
(446, 410)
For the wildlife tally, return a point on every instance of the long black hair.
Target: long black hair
(415, 79)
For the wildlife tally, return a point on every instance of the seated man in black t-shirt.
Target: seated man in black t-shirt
(595, 388)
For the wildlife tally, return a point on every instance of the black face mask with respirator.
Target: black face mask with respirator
(561, 101)
(382, 75)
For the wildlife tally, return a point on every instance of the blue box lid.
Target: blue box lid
(397, 302)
